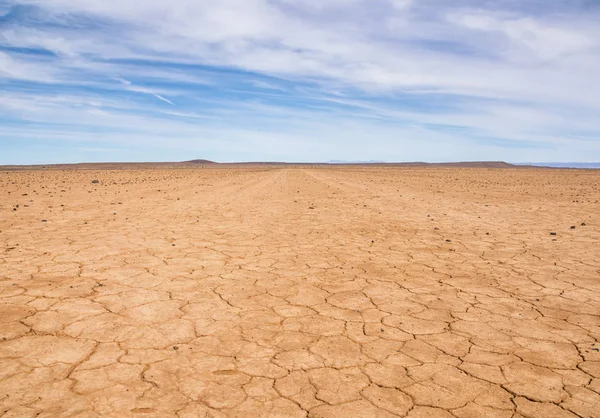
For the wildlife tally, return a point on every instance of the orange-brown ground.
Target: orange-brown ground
(300, 291)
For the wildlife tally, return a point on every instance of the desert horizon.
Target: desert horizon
(203, 163)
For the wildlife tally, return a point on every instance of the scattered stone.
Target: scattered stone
(552, 233)
(43, 220)
(175, 348)
(448, 240)
(573, 227)
(583, 224)
(95, 181)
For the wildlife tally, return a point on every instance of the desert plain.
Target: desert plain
(294, 291)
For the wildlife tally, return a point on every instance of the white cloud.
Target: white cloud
(547, 41)
(535, 74)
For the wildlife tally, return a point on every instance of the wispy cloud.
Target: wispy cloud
(488, 79)
(130, 87)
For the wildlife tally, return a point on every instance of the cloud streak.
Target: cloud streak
(130, 87)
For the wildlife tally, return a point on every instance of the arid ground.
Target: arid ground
(300, 291)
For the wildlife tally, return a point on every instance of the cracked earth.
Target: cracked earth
(303, 291)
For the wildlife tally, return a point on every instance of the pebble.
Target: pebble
(95, 181)
(552, 233)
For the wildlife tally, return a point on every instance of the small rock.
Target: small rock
(448, 240)
(175, 348)
(95, 181)
(573, 227)
(43, 220)
(552, 233)
(583, 224)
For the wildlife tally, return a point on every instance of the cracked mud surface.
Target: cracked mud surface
(292, 292)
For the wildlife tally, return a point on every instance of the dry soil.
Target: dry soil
(300, 291)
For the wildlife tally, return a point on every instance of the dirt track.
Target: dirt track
(289, 292)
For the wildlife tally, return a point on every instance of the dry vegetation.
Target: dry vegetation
(300, 291)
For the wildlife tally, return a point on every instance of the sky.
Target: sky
(299, 80)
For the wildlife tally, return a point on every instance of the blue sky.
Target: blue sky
(299, 80)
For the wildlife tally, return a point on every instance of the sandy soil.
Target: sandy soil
(307, 291)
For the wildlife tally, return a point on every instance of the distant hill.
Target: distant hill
(199, 162)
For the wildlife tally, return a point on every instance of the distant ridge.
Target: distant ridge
(563, 165)
(199, 162)
(355, 162)
(203, 163)
(467, 164)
